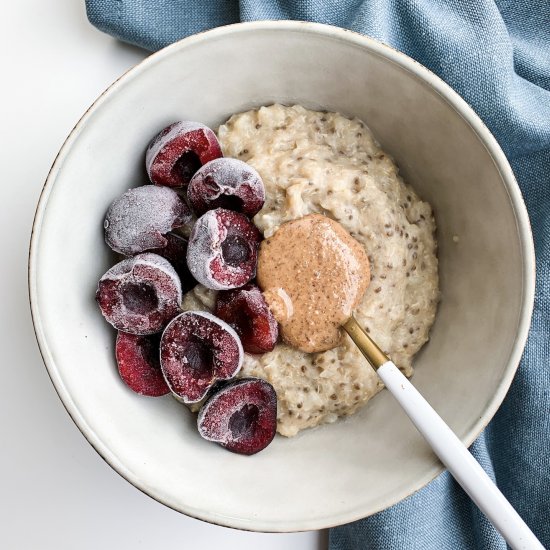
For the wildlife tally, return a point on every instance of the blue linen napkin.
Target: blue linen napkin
(496, 55)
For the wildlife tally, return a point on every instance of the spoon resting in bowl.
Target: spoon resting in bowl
(313, 274)
(446, 445)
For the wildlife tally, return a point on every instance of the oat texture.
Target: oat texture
(317, 162)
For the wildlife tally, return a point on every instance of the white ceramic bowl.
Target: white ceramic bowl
(336, 473)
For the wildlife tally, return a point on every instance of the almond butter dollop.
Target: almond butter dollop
(313, 275)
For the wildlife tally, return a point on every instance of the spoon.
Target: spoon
(446, 445)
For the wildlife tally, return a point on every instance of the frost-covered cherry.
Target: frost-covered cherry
(139, 364)
(226, 183)
(242, 416)
(140, 295)
(196, 351)
(140, 218)
(178, 151)
(246, 310)
(175, 252)
(223, 249)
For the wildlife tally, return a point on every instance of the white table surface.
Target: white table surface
(56, 492)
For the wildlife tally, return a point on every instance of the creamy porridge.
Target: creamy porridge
(316, 162)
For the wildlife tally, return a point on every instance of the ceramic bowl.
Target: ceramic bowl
(339, 472)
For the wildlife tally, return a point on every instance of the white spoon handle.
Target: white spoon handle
(458, 460)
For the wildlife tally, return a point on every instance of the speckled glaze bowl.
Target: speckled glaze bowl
(336, 473)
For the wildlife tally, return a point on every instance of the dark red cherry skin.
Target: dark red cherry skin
(223, 249)
(139, 364)
(246, 310)
(226, 183)
(241, 416)
(140, 295)
(197, 350)
(175, 252)
(178, 151)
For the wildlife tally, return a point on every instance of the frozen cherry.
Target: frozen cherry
(178, 151)
(139, 364)
(246, 310)
(242, 416)
(226, 183)
(197, 350)
(139, 219)
(175, 252)
(140, 295)
(223, 249)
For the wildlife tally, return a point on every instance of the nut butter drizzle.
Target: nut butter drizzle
(313, 274)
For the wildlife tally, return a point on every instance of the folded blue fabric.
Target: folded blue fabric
(496, 54)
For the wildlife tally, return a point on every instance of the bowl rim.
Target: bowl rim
(462, 109)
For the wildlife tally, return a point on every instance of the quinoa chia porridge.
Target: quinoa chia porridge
(317, 162)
